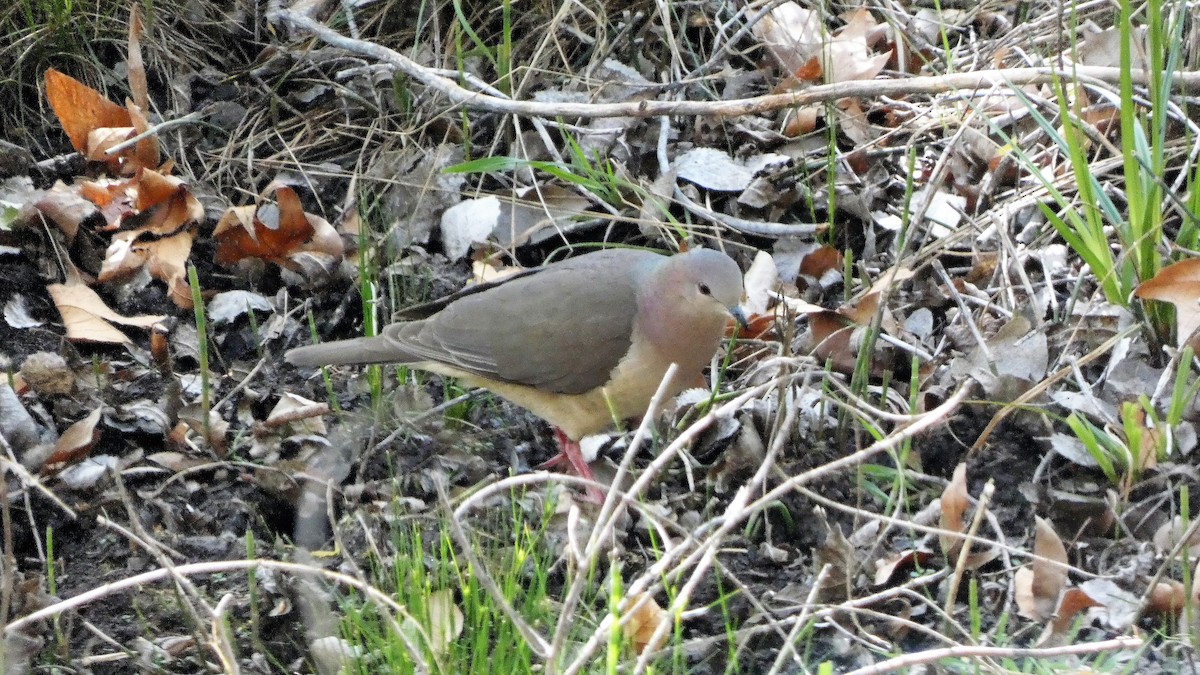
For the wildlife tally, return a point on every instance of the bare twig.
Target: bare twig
(982, 80)
(931, 655)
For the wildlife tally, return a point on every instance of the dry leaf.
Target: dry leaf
(63, 205)
(1074, 601)
(1167, 598)
(444, 626)
(887, 568)
(134, 63)
(1041, 582)
(76, 441)
(849, 55)
(273, 231)
(99, 141)
(797, 39)
(1169, 533)
(88, 319)
(793, 35)
(81, 109)
(837, 552)
(761, 282)
(305, 414)
(821, 267)
(832, 332)
(955, 502)
(646, 619)
(1178, 284)
(445, 620)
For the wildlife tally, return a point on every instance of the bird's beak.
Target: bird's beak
(739, 316)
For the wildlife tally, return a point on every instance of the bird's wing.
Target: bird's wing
(562, 329)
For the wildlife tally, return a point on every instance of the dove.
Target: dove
(580, 343)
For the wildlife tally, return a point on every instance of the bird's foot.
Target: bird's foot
(569, 453)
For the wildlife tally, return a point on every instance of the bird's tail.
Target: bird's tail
(347, 352)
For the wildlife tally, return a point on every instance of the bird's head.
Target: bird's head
(708, 283)
(689, 298)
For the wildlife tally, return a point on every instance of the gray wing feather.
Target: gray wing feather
(562, 329)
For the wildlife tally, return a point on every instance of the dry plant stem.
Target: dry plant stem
(9, 462)
(411, 422)
(1042, 386)
(220, 638)
(240, 385)
(664, 13)
(536, 642)
(747, 226)
(978, 80)
(721, 53)
(654, 574)
(960, 565)
(967, 316)
(739, 509)
(609, 509)
(8, 571)
(150, 547)
(931, 633)
(101, 635)
(863, 639)
(708, 548)
(655, 466)
(184, 588)
(937, 176)
(747, 592)
(606, 522)
(789, 644)
(381, 600)
(920, 423)
(299, 414)
(855, 404)
(892, 521)
(932, 655)
(699, 644)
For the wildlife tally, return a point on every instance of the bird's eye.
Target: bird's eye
(704, 289)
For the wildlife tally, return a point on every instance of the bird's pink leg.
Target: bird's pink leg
(570, 453)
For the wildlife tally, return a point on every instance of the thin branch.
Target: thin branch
(984, 81)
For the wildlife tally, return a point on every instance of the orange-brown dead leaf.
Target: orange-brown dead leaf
(113, 197)
(145, 152)
(134, 63)
(832, 331)
(887, 568)
(757, 325)
(161, 238)
(76, 442)
(274, 232)
(955, 502)
(820, 261)
(166, 260)
(647, 617)
(1074, 601)
(1178, 284)
(1040, 583)
(81, 109)
(1167, 599)
(801, 120)
(809, 71)
(154, 188)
